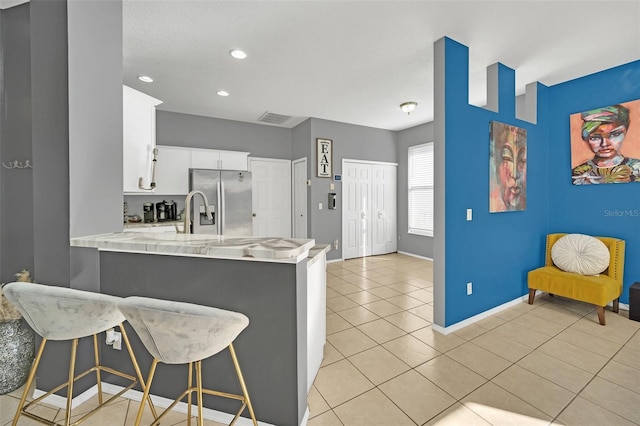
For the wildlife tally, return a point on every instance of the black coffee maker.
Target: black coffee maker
(161, 211)
(166, 210)
(171, 209)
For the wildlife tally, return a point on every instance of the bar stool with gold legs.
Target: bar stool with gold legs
(185, 333)
(58, 313)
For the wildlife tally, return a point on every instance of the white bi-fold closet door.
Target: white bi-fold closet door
(369, 220)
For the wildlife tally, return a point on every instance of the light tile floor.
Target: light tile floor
(549, 363)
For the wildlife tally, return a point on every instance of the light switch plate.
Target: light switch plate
(469, 214)
(332, 186)
(319, 206)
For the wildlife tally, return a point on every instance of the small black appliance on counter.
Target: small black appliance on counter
(166, 210)
(148, 212)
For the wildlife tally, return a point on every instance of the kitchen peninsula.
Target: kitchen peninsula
(278, 283)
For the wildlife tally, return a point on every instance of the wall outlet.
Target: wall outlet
(469, 289)
(110, 336)
(335, 244)
(319, 206)
(117, 342)
(469, 214)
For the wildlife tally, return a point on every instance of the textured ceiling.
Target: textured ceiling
(356, 61)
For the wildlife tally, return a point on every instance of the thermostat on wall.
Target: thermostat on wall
(337, 177)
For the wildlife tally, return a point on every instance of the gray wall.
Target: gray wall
(213, 133)
(95, 117)
(50, 141)
(349, 142)
(410, 243)
(16, 206)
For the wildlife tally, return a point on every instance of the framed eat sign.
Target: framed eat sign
(324, 158)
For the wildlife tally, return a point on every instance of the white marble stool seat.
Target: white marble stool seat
(59, 313)
(185, 333)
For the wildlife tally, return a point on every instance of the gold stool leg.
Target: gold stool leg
(147, 388)
(96, 358)
(242, 384)
(72, 367)
(136, 367)
(199, 386)
(189, 385)
(27, 386)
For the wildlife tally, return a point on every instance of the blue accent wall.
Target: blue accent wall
(605, 210)
(496, 250)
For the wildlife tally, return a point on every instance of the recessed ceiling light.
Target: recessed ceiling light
(145, 78)
(238, 54)
(222, 93)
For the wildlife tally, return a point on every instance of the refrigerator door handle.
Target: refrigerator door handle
(222, 208)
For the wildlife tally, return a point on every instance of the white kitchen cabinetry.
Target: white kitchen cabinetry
(172, 170)
(214, 159)
(174, 162)
(316, 313)
(139, 138)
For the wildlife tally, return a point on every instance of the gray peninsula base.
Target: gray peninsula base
(272, 351)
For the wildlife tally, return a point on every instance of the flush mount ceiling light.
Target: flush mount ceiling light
(145, 78)
(408, 107)
(238, 54)
(222, 93)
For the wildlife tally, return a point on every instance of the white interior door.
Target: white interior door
(300, 198)
(356, 190)
(368, 208)
(271, 197)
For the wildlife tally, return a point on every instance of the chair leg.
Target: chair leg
(96, 358)
(72, 368)
(199, 391)
(242, 384)
(136, 367)
(27, 386)
(532, 295)
(189, 385)
(616, 305)
(601, 314)
(147, 388)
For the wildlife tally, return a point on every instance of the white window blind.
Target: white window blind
(421, 189)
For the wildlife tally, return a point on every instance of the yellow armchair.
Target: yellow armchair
(595, 289)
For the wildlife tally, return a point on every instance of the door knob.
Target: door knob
(363, 215)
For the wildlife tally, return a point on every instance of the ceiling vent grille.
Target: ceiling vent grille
(271, 118)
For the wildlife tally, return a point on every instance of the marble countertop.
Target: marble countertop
(282, 250)
(153, 224)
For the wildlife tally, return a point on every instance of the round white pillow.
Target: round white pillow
(580, 254)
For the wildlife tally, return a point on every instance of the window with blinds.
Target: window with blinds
(421, 189)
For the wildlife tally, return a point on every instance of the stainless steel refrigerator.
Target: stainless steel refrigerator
(229, 196)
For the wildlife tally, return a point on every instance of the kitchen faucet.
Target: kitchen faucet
(187, 210)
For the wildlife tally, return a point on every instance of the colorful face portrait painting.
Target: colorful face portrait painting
(507, 168)
(605, 144)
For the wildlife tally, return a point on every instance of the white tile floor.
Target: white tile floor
(549, 363)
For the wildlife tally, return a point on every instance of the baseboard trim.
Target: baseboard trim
(158, 401)
(335, 260)
(415, 255)
(460, 325)
(61, 401)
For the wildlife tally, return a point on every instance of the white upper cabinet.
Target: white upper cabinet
(174, 162)
(172, 170)
(214, 159)
(139, 139)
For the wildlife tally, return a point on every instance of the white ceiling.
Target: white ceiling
(356, 61)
